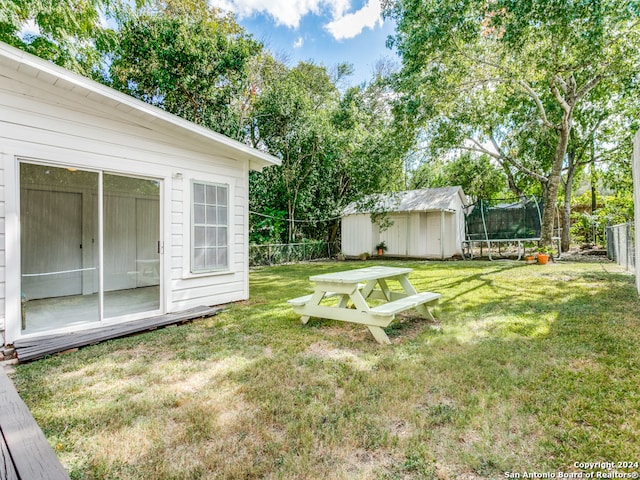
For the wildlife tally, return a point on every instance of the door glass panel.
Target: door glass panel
(58, 247)
(131, 236)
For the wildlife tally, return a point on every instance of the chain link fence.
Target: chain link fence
(620, 245)
(275, 254)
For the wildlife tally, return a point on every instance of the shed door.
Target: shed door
(131, 236)
(147, 237)
(396, 236)
(434, 233)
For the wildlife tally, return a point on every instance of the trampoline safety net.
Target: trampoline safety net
(517, 220)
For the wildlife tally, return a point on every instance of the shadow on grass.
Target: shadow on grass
(530, 370)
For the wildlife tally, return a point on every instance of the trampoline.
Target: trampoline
(502, 222)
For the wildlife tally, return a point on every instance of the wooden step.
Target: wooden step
(36, 346)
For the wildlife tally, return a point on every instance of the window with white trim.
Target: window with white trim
(210, 227)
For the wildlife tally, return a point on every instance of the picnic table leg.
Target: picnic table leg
(344, 299)
(359, 302)
(410, 289)
(368, 288)
(424, 311)
(315, 300)
(379, 334)
(406, 285)
(385, 289)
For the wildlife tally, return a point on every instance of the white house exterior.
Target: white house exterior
(427, 223)
(111, 210)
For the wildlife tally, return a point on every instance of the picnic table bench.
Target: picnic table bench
(355, 287)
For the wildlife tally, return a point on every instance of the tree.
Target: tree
(190, 60)
(335, 148)
(70, 33)
(599, 140)
(371, 146)
(506, 77)
(477, 176)
(293, 121)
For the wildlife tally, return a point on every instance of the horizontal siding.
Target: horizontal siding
(43, 124)
(122, 118)
(218, 299)
(51, 142)
(192, 290)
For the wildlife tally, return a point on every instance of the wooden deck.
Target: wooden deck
(24, 451)
(34, 347)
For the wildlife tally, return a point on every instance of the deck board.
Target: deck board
(7, 468)
(30, 348)
(26, 454)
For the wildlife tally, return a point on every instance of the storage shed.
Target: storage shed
(426, 223)
(111, 210)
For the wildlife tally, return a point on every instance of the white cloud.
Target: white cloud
(284, 12)
(352, 24)
(298, 43)
(29, 28)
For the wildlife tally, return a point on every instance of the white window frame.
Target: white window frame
(192, 228)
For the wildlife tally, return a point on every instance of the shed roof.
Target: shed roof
(70, 83)
(424, 200)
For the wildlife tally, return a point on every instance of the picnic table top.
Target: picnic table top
(361, 274)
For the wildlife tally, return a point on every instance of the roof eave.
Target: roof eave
(257, 159)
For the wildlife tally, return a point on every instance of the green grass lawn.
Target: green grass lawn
(531, 368)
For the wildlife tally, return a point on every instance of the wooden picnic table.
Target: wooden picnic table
(355, 287)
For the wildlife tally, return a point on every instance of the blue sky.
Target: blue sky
(327, 32)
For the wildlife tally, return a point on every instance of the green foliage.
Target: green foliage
(478, 177)
(268, 227)
(293, 121)
(191, 64)
(508, 78)
(611, 210)
(532, 366)
(586, 228)
(334, 147)
(68, 33)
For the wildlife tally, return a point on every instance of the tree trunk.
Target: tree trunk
(291, 211)
(333, 232)
(565, 237)
(511, 180)
(553, 184)
(594, 187)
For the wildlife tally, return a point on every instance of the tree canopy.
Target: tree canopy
(74, 34)
(335, 148)
(505, 78)
(189, 61)
(532, 96)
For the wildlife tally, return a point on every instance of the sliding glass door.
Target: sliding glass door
(89, 246)
(131, 248)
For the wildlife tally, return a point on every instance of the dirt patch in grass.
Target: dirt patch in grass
(528, 369)
(351, 358)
